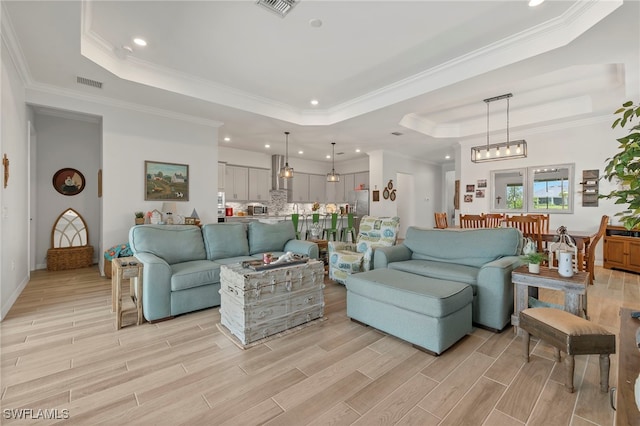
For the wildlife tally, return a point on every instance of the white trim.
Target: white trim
(12, 299)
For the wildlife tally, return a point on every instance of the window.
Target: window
(544, 189)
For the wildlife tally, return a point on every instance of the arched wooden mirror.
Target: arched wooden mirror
(69, 230)
(70, 247)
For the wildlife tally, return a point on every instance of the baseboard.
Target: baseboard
(12, 299)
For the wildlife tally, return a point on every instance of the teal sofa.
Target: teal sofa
(480, 258)
(182, 262)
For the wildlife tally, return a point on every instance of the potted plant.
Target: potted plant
(139, 218)
(534, 259)
(625, 167)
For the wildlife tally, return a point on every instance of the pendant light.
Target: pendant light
(286, 172)
(333, 176)
(503, 150)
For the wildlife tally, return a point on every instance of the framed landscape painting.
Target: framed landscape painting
(166, 181)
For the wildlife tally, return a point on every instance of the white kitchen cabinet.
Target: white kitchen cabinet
(221, 176)
(349, 185)
(362, 178)
(259, 183)
(236, 183)
(300, 188)
(317, 188)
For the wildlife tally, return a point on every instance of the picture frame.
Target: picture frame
(189, 220)
(376, 195)
(468, 198)
(480, 193)
(166, 181)
(482, 183)
(471, 188)
(68, 181)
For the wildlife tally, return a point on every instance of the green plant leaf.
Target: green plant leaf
(627, 104)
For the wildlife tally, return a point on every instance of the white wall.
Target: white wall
(65, 142)
(425, 190)
(14, 260)
(585, 144)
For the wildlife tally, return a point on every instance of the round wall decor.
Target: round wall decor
(68, 181)
(385, 193)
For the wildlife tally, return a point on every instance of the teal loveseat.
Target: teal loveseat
(480, 258)
(182, 262)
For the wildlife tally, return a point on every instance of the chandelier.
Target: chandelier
(499, 151)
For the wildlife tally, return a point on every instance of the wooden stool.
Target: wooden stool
(571, 334)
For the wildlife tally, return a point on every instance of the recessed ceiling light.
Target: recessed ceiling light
(447, 157)
(267, 145)
(315, 23)
(227, 139)
(314, 102)
(328, 156)
(358, 150)
(140, 41)
(300, 152)
(534, 3)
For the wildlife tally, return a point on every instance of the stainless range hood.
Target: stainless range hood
(278, 183)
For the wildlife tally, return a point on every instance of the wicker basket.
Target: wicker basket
(59, 259)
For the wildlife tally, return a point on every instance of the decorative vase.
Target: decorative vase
(565, 264)
(534, 268)
(139, 220)
(316, 230)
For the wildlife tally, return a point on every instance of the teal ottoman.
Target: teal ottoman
(431, 313)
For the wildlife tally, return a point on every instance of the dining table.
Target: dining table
(582, 240)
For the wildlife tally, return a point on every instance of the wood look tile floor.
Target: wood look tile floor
(61, 353)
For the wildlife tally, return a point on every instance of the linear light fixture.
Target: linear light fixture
(499, 151)
(333, 176)
(286, 172)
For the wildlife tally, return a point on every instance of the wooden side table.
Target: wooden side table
(123, 268)
(323, 250)
(575, 289)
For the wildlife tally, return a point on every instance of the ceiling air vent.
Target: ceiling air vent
(89, 82)
(280, 7)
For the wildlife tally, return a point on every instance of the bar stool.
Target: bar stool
(333, 230)
(349, 229)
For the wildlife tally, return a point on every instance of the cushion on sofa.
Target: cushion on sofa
(269, 237)
(225, 240)
(472, 247)
(425, 295)
(173, 243)
(194, 274)
(440, 270)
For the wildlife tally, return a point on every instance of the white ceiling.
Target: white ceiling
(421, 68)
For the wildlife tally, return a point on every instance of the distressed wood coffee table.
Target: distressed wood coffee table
(258, 304)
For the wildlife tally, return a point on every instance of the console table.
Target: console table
(123, 268)
(622, 248)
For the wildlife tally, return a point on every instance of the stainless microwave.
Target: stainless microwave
(257, 210)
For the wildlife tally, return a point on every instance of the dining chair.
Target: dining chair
(441, 220)
(529, 226)
(332, 230)
(493, 220)
(472, 221)
(591, 249)
(544, 222)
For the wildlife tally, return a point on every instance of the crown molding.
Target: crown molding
(552, 34)
(33, 90)
(10, 41)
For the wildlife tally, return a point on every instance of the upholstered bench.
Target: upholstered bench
(570, 334)
(431, 313)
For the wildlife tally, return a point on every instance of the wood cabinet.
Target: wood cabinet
(622, 249)
(628, 371)
(236, 183)
(259, 183)
(221, 176)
